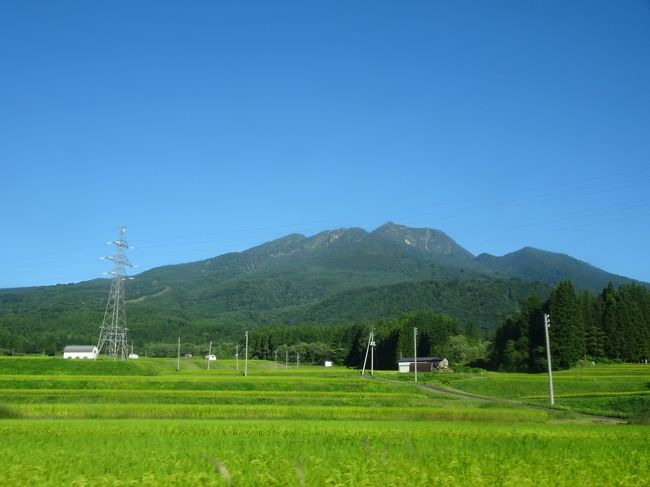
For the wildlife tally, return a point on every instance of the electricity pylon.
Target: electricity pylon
(113, 332)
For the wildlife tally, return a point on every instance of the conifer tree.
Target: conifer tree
(609, 322)
(567, 331)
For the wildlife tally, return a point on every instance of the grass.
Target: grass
(295, 452)
(621, 390)
(78, 423)
(56, 366)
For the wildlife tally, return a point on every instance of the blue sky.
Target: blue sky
(209, 127)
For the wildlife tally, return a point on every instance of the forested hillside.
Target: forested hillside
(334, 277)
(614, 325)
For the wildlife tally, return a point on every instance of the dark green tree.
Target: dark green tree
(610, 325)
(567, 334)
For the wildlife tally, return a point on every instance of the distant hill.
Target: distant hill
(336, 276)
(550, 268)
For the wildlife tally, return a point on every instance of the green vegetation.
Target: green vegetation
(46, 366)
(621, 390)
(254, 453)
(333, 278)
(144, 423)
(439, 335)
(613, 325)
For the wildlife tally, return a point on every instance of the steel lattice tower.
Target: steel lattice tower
(113, 332)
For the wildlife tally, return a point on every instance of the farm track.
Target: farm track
(154, 295)
(469, 395)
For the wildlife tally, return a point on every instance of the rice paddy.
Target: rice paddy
(621, 390)
(148, 424)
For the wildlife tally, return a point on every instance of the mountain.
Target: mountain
(332, 277)
(550, 268)
(482, 301)
(426, 243)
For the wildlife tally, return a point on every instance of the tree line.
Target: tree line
(438, 334)
(612, 325)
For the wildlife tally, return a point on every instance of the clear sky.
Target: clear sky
(209, 127)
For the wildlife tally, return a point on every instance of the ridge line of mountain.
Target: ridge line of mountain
(416, 248)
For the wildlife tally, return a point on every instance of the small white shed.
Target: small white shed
(404, 364)
(80, 351)
(211, 358)
(329, 363)
(133, 356)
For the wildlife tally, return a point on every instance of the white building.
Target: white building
(80, 351)
(404, 364)
(211, 358)
(133, 355)
(329, 363)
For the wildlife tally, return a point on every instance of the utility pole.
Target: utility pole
(415, 351)
(246, 358)
(178, 356)
(547, 325)
(371, 348)
(372, 351)
(363, 369)
(237, 356)
(297, 359)
(209, 354)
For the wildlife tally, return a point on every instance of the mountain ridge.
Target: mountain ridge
(334, 276)
(433, 245)
(300, 271)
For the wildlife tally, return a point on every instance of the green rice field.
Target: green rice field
(143, 423)
(621, 390)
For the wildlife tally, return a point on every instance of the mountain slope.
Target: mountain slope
(426, 243)
(548, 267)
(480, 300)
(332, 277)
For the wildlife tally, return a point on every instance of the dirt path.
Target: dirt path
(468, 395)
(154, 295)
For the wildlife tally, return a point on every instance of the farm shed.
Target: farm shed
(425, 364)
(329, 363)
(80, 351)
